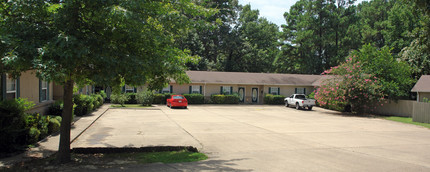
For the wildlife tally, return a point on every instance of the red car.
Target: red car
(177, 101)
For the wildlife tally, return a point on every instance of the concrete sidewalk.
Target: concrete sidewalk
(49, 145)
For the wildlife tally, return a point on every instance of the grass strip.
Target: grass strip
(129, 106)
(407, 120)
(164, 157)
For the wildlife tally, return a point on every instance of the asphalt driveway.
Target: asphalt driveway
(265, 138)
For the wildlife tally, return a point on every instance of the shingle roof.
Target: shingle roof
(423, 84)
(211, 77)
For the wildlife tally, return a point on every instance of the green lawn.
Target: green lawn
(407, 120)
(103, 161)
(164, 157)
(129, 106)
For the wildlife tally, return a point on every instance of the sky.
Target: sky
(273, 10)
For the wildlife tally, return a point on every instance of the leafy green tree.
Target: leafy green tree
(374, 21)
(257, 44)
(417, 53)
(317, 35)
(97, 41)
(211, 36)
(237, 39)
(394, 75)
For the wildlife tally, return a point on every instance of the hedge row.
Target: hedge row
(274, 99)
(225, 99)
(84, 104)
(148, 98)
(19, 129)
(195, 98)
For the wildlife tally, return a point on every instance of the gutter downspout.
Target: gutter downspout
(418, 96)
(204, 91)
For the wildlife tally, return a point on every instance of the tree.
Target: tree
(212, 35)
(348, 87)
(98, 41)
(374, 21)
(256, 46)
(318, 35)
(394, 75)
(417, 53)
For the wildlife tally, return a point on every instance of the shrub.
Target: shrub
(195, 98)
(13, 132)
(161, 98)
(43, 126)
(97, 100)
(274, 99)
(131, 98)
(56, 109)
(350, 89)
(119, 98)
(145, 98)
(33, 135)
(38, 121)
(103, 94)
(225, 99)
(54, 125)
(84, 104)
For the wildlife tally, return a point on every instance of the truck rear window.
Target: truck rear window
(300, 97)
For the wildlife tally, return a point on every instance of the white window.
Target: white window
(300, 90)
(129, 89)
(11, 87)
(44, 91)
(226, 89)
(274, 90)
(195, 89)
(166, 90)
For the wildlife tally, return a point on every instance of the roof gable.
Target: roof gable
(423, 84)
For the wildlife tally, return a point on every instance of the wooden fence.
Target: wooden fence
(419, 111)
(403, 108)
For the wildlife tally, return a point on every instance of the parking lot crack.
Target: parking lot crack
(183, 129)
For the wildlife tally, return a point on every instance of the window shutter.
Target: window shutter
(40, 90)
(279, 91)
(47, 91)
(200, 89)
(135, 90)
(123, 89)
(295, 91)
(220, 92)
(270, 91)
(231, 90)
(304, 91)
(171, 88)
(3, 86)
(17, 88)
(191, 89)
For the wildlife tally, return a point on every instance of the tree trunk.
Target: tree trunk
(64, 148)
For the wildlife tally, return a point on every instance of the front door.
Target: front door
(241, 92)
(254, 95)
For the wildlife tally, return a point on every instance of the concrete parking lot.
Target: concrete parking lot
(265, 138)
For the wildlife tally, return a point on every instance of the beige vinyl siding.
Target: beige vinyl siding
(29, 87)
(424, 95)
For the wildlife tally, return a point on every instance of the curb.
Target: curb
(86, 128)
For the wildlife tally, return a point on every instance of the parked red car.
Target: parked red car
(177, 101)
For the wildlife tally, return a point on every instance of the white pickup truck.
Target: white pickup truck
(299, 101)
